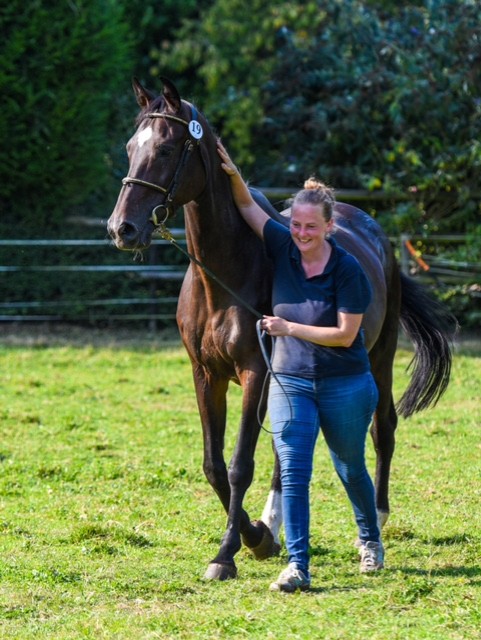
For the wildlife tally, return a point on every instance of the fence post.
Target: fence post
(404, 253)
(153, 255)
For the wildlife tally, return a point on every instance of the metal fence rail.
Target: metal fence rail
(148, 308)
(433, 268)
(152, 308)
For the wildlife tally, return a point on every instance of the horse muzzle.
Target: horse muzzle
(127, 236)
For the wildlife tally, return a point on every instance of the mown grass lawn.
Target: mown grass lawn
(107, 522)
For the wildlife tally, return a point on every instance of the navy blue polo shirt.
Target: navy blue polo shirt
(343, 286)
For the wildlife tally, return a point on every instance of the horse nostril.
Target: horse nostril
(128, 232)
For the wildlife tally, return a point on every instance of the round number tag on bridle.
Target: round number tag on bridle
(195, 129)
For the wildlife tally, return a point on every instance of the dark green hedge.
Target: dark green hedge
(64, 72)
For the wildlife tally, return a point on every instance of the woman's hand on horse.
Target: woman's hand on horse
(227, 164)
(252, 213)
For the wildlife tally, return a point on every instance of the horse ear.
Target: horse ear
(171, 94)
(144, 96)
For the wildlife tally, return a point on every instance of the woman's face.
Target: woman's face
(308, 227)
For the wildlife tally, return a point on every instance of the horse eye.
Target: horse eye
(163, 151)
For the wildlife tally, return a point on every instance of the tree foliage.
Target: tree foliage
(153, 25)
(389, 103)
(377, 95)
(62, 65)
(234, 52)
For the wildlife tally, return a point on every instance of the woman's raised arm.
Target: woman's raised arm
(252, 213)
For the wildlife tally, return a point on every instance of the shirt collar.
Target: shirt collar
(295, 256)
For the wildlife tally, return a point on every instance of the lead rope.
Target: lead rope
(166, 235)
(261, 335)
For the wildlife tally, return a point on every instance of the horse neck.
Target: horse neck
(215, 231)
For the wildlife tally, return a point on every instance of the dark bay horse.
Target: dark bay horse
(174, 162)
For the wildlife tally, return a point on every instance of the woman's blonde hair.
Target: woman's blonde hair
(316, 193)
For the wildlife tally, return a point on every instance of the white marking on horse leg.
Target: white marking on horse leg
(144, 135)
(382, 517)
(272, 514)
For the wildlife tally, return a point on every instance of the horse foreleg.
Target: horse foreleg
(239, 475)
(211, 394)
(255, 535)
(262, 536)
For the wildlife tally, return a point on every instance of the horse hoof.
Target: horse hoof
(267, 547)
(220, 571)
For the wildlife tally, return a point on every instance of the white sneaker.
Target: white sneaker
(291, 579)
(372, 556)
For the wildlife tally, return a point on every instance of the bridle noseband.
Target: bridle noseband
(195, 134)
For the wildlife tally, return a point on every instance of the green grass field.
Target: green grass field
(107, 523)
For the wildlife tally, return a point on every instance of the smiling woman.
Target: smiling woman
(311, 224)
(309, 230)
(321, 378)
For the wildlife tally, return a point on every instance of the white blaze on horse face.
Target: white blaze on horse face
(144, 135)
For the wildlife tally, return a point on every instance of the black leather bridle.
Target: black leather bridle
(195, 134)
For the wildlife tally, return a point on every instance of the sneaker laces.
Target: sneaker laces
(371, 555)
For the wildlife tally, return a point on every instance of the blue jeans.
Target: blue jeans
(342, 407)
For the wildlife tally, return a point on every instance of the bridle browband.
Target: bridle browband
(192, 141)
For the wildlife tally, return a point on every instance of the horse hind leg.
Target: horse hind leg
(385, 418)
(382, 433)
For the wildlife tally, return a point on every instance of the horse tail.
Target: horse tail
(431, 329)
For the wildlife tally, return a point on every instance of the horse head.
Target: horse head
(163, 152)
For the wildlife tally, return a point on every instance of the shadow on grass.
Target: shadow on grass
(449, 571)
(448, 541)
(48, 335)
(462, 539)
